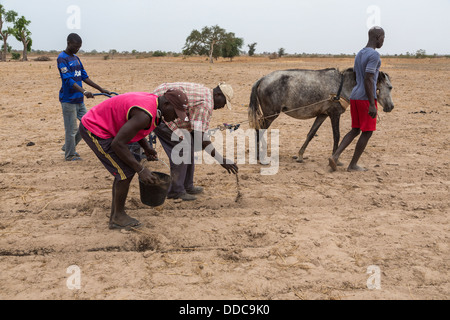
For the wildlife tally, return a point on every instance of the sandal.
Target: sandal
(74, 158)
(132, 224)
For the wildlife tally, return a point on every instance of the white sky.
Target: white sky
(313, 26)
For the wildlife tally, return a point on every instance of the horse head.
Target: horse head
(384, 88)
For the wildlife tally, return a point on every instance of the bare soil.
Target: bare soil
(304, 233)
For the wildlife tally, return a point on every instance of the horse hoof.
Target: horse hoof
(300, 160)
(295, 157)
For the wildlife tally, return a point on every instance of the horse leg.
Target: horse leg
(257, 144)
(259, 134)
(335, 117)
(319, 120)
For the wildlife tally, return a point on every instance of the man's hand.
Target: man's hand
(88, 94)
(372, 111)
(151, 154)
(231, 168)
(147, 177)
(105, 91)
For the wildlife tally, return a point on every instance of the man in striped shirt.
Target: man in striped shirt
(202, 101)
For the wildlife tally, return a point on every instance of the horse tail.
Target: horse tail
(254, 110)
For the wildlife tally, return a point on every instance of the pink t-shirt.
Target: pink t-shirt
(107, 118)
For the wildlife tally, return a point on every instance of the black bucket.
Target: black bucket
(155, 194)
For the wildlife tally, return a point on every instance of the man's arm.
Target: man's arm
(207, 144)
(151, 153)
(88, 81)
(368, 86)
(96, 86)
(66, 75)
(138, 120)
(86, 93)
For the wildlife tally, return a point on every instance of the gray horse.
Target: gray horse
(306, 94)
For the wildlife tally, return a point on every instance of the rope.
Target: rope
(227, 126)
(310, 105)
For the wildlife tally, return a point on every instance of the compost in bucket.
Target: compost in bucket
(155, 194)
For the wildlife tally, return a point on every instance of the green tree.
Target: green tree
(252, 49)
(22, 34)
(112, 52)
(195, 44)
(231, 46)
(6, 17)
(421, 53)
(281, 52)
(207, 42)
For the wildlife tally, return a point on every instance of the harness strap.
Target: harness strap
(338, 95)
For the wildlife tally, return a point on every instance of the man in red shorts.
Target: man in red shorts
(363, 103)
(107, 129)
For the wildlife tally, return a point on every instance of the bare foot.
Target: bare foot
(356, 168)
(122, 220)
(332, 164)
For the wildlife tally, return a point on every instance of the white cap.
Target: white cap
(227, 92)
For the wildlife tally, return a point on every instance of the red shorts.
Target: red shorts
(359, 110)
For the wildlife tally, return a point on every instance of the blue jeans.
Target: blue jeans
(72, 112)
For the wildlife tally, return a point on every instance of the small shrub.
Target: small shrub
(159, 53)
(43, 58)
(15, 55)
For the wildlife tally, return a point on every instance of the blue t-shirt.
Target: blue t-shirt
(367, 60)
(71, 71)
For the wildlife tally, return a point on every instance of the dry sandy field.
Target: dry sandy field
(304, 233)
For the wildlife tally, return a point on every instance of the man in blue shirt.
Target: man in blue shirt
(72, 94)
(363, 103)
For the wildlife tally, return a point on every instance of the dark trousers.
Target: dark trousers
(182, 174)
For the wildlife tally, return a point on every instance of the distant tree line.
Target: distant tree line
(213, 42)
(111, 54)
(13, 25)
